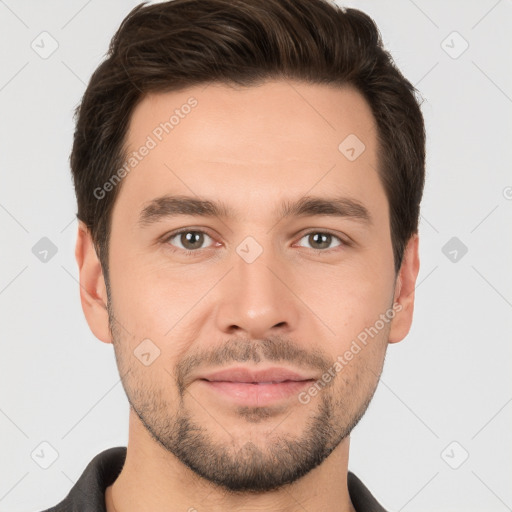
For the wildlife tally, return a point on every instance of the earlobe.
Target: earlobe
(404, 291)
(93, 293)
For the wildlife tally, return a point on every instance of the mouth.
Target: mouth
(255, 388)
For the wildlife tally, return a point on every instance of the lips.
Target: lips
(246, 375)
(255, 388)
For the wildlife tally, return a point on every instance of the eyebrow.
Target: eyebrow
(168, 206)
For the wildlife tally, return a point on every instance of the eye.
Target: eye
(320, 240)
(188, 240)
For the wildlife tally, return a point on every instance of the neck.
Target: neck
(153, 479)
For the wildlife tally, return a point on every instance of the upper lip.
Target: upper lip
(244, 374)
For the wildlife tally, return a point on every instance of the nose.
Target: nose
(256, 299)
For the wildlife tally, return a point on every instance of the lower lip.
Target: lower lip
(251, 394)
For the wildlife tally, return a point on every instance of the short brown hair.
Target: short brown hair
(177, 44)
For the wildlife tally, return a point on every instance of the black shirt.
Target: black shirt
(88, 494)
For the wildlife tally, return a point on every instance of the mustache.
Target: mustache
(275, 349)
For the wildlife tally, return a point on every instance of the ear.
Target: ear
(403, 302)
(93, 292)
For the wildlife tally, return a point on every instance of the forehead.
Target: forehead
(250, 146)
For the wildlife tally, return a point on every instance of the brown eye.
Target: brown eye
(319, 240)
(188, 240)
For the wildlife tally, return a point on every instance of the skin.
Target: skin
(250, 148)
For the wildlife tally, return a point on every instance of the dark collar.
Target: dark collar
(88, 494)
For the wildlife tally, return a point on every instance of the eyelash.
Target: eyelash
(188, 252)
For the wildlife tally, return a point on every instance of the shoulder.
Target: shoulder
(361, 497)
(88, 494)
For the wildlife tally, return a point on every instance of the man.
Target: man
(248, 177)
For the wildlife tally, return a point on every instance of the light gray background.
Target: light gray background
(449, 380)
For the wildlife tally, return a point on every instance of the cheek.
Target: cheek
(148, 295)
(350, 297)
(155, 303)
(361, 358)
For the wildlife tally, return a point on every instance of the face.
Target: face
(252, 283)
